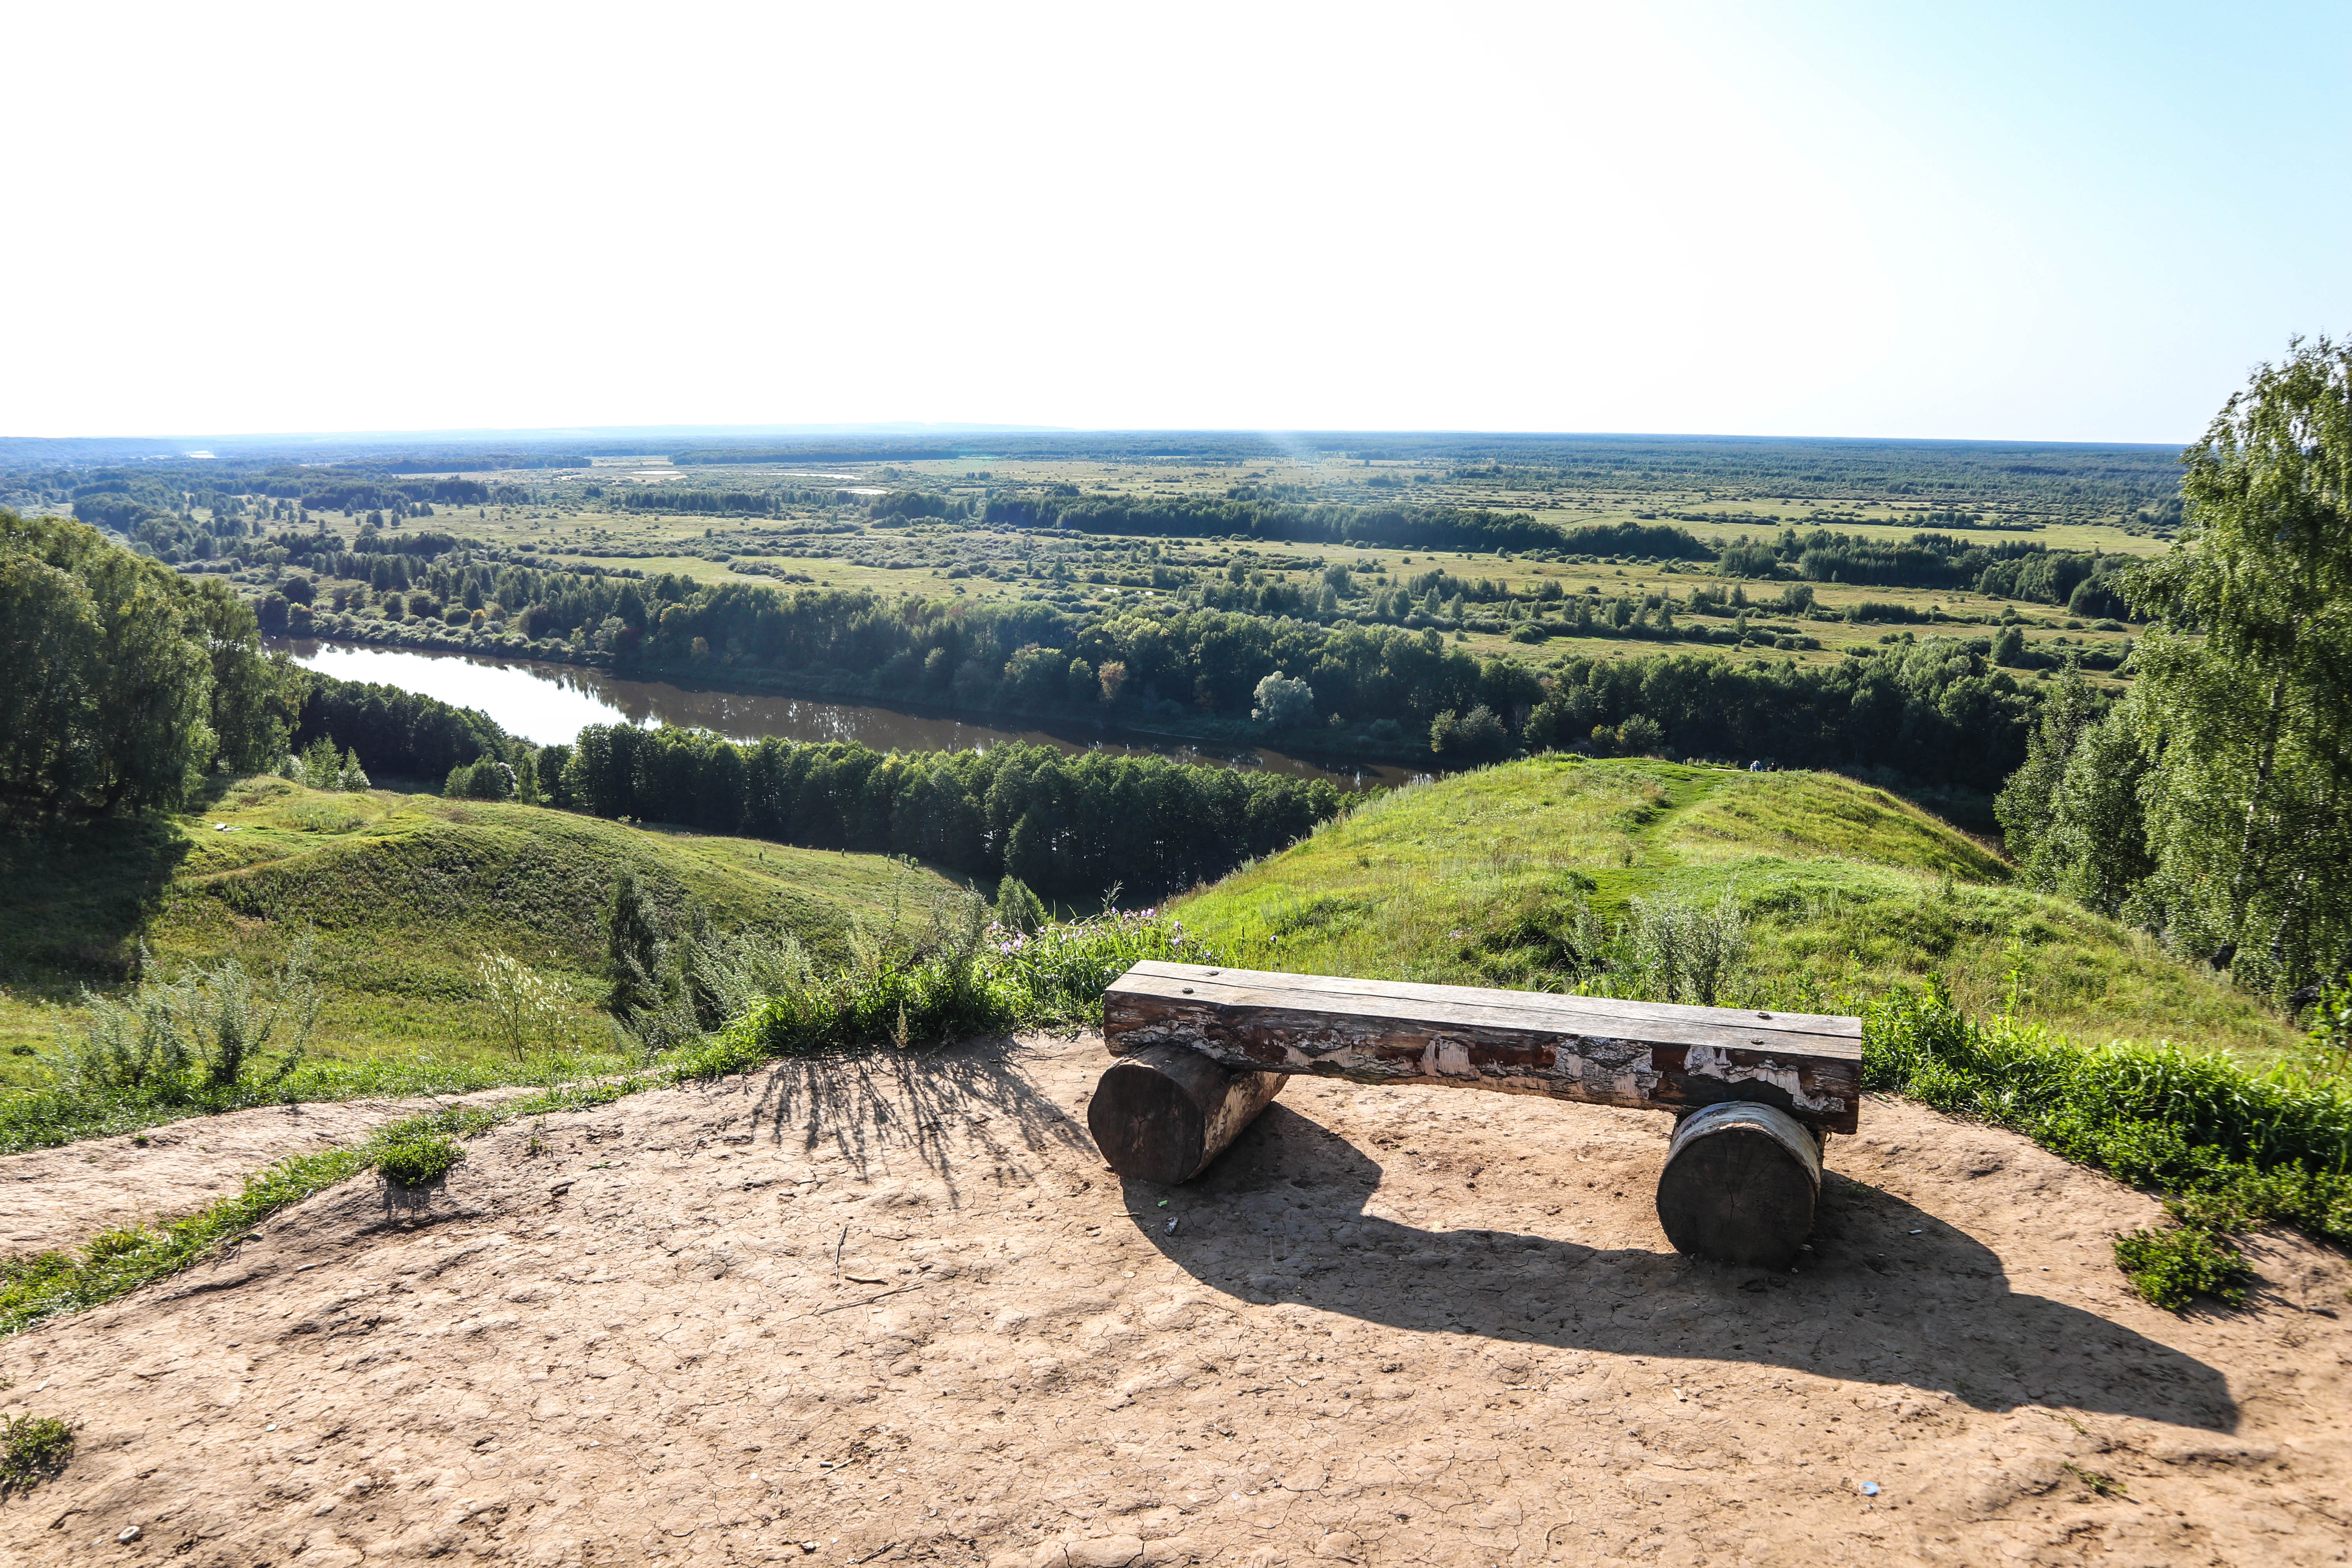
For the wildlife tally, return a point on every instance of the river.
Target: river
(546, 703)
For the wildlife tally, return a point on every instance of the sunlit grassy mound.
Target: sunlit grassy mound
(1474, 879)
(402, 893)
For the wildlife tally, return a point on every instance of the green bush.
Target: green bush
(32, 1450)
(2173, 1268)
(424, 1148)
(2157, 1116)
(201, 1041)
(2230, 1148)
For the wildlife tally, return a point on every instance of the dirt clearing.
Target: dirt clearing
(54, 1199)
(895, 1308)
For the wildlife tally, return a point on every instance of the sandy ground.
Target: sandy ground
(896, 1310)
(53, 1199)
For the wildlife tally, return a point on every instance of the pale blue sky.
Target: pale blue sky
(2051, 221)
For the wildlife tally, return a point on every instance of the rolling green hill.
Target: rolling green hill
(402, 893)
(1474, 879)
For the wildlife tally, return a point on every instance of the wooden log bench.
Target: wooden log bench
(1202, 1051)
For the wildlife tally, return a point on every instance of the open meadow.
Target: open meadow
(401, 896)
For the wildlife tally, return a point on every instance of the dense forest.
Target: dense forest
(1068, 826)
(1939, 711)
(126, 682)
(2052, 476)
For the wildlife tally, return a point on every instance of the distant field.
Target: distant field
(402, 891)
(1467, 881)
(657, 544)
(611, 517)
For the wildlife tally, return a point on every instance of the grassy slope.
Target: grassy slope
(1462, 881)
(400, 889)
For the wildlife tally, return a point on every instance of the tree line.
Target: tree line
(1938, 712)
(1430, 528)
(2087, 583)
(1377, 685)
(1068, 826)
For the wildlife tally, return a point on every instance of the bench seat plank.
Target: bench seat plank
(1646, 1055)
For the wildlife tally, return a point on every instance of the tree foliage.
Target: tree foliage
(125, 680)
(1066, 826)
(2245, 685)
(2213, 805)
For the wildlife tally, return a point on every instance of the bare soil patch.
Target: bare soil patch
(895, 1308)
(54, 1199)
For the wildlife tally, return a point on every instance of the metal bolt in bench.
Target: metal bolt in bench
(1203, 1050)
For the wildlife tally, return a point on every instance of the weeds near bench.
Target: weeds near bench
(960, 979)
(2232, 1150)
(2173, 1268)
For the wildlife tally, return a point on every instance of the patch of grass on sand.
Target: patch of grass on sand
(32, 1450)
(116, 1262)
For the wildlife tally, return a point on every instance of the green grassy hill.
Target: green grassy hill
(1470, 879)
(401, 891)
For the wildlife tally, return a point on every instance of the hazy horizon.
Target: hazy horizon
(567, 434)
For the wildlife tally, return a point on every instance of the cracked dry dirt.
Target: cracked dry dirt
(891, 1309)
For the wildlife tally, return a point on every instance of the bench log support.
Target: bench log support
(1754, 1090)
(1162, 1113)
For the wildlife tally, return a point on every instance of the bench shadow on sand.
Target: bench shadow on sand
(1872, 1302)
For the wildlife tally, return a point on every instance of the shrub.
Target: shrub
(1017, 909)
(2173, 1268)
(1640, 736)
(2231, 1148)
(417, 1151)
(731, 973)
(525, 1006)
(32, 1450)
(1686, 952)
(202, 1040)
(319, 766)
(1477, 733)
(960, 979)
(1284, 702)
(485, 778)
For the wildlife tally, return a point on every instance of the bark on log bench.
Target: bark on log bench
(1740, 1183)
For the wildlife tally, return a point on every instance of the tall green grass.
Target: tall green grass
(1005, 979)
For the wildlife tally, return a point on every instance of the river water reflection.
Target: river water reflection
(546, 703)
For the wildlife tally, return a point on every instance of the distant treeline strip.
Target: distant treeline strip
(2009, 568)
(1429, 528)
(1068, 826)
